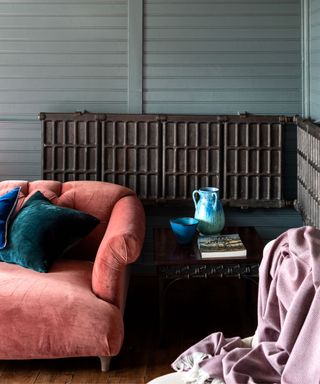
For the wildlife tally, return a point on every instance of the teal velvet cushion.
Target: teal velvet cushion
(8, 202)
(42, 231)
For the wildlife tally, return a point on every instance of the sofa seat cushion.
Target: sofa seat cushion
(55, 314)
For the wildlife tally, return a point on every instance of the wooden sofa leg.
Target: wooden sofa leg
(105, 363)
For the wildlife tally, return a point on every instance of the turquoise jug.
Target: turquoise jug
(208, 210)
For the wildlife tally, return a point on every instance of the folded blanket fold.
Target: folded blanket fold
(287, 341)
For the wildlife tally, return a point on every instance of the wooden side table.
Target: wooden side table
(175, 262)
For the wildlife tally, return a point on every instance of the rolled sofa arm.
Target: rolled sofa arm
(121, 245)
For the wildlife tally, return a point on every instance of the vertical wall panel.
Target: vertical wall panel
(71, 147)
(314, 52)
(57, 57)
(222, 57)
(62, 57)
(20, 150)
(191, 152)
(135, 55)
(308, 199)
(131, 154)
(253, 163)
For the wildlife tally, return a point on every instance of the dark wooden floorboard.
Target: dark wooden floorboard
(194, 309)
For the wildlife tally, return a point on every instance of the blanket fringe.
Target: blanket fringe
(192, 373)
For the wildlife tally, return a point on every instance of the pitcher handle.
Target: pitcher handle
(215, 200)
(194, 197)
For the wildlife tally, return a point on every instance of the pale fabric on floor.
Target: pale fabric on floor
(177, 378)
(171, 378)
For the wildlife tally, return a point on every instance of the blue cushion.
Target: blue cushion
(42, 231)
(8, 202)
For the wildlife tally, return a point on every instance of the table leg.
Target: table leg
(162, 294)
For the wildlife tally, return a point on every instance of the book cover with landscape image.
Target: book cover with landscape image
(220, 246)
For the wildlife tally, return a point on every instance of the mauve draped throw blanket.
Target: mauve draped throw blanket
(287, 339)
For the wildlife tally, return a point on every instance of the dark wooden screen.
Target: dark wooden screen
(131, 153)
(71, 147)
(253, 162)
(165, 157)
(308, 164)
(191, 155)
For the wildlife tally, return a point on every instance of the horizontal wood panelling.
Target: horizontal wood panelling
(220, 95)
(75, 33)
(226, 70)
(33, 96)
(165, 21)
(18, 145)
(80, 71)
(219, 9)
(212, 33)
(222, 57)
(219, 47)
(62, 84)
(80, 59)
(63, 1)
(224, 83)
(227, 108)
(58, 47)
(50, 9)
(223, 1)
(17, 169)
(63, 56)
(208, 59)
(57, 22)
(20, 150)
(315, 29)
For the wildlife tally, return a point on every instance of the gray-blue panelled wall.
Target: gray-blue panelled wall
(314, 62)
(153, 56)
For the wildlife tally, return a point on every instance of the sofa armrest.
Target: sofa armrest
(121, 245)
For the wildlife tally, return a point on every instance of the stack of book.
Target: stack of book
(221, 246)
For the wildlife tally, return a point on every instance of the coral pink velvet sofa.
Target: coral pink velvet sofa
(76, 309)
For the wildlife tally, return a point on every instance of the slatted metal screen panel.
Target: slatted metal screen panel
(71, 147)
(253, 162)
(130, 153)
(191, 154)
(308, 164)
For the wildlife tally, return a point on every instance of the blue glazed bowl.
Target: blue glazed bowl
(184, 228)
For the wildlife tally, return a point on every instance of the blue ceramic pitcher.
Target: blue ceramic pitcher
(208, 210)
